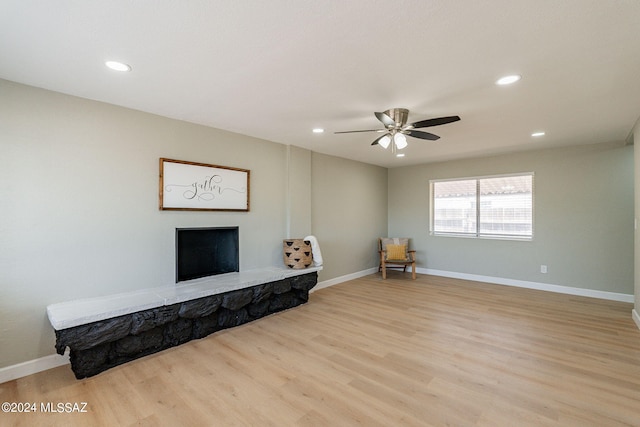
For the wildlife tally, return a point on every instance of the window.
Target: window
(494, 207)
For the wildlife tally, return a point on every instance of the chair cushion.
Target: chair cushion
(384, 241)
(397, 252)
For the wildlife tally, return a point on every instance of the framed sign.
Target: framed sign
(189, 186)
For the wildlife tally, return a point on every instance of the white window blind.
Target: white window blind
(500, 207)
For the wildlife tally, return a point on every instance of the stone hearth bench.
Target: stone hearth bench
(104, 332)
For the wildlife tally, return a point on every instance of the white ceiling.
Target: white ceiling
(275, 69)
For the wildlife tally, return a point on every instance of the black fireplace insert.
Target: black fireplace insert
(202, 252)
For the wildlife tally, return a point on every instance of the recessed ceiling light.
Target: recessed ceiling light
(537, 134)
(400, 155)
(318, 130)
(118, 66)
(507, 80)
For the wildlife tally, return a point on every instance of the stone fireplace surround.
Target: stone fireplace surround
(108, 331)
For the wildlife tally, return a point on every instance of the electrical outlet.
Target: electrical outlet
(543, 269)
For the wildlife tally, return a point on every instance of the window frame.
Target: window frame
(478, 234)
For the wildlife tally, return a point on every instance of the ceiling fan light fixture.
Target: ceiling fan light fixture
(385, 141)
(400, 140)
(396, 128)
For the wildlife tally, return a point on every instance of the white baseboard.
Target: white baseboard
(531, 285)
(346, 278)
(24, 369)
(636, 317)
(613, 296)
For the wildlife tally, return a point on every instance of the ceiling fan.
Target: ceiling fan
(394, 121)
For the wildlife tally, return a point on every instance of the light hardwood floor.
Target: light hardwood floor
(399, 352)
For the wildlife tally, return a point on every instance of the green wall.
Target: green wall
(583, 218)
(79, 205)
(349, 205)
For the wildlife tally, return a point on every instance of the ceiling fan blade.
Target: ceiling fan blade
(386, 120)
(434, 122)
(368, 130)
(421, 135)
(378, 139)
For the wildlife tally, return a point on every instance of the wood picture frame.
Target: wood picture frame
(191, 186)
